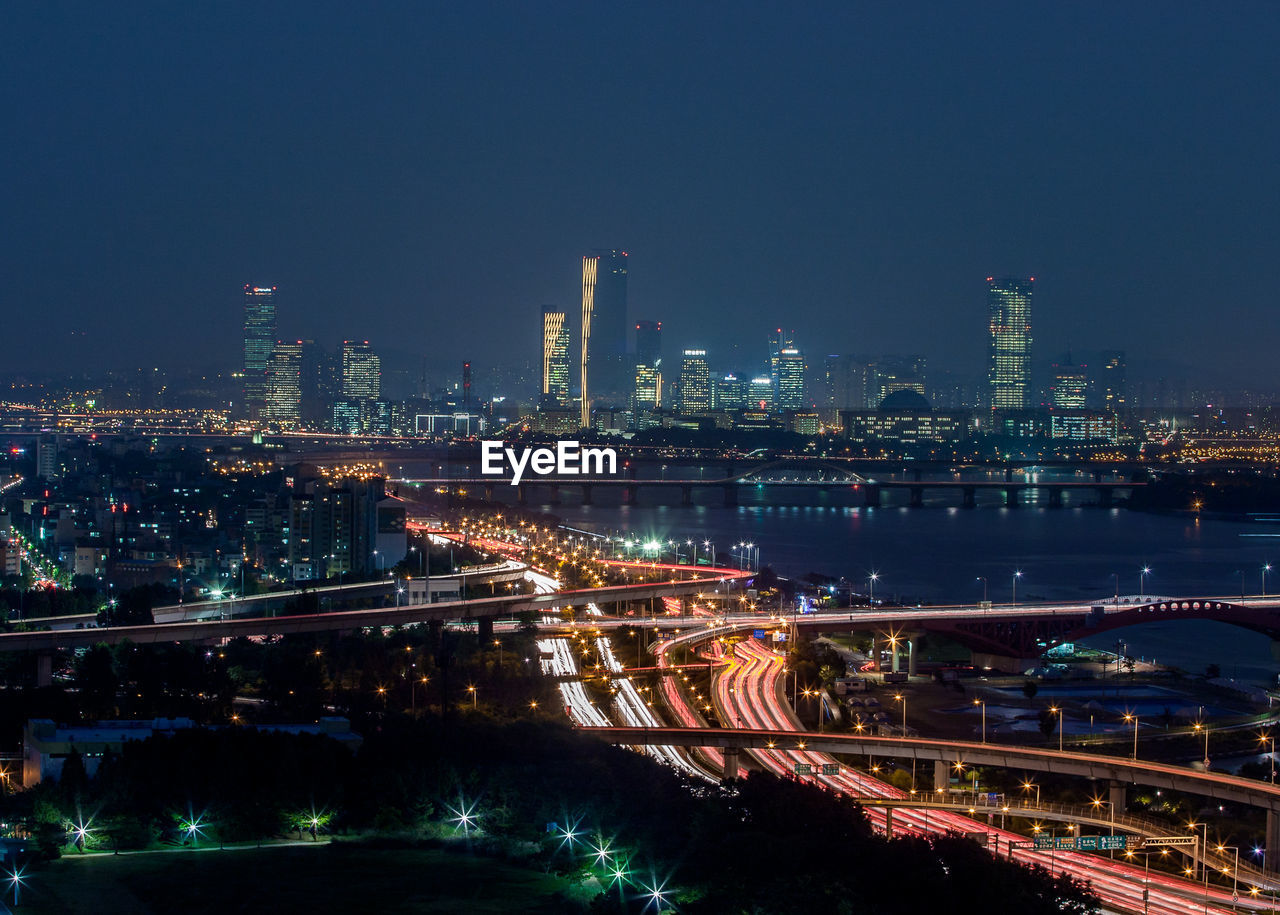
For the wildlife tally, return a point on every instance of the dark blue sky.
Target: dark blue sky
(426, 176)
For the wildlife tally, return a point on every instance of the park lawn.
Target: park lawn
(343, 877)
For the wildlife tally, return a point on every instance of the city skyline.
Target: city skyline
(867, 236)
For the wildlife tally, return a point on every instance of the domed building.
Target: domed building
(904, 400)
(905, 416)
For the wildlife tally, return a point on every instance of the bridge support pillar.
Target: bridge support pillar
(1272, 844)
(555, 494)
(630, 494)
(1116, 795)
(1055, 497)
(44, 670)
(917, 496)
(888, 823)
(730, 770)
(917, 474)
(1104, 496)
(586, 494)
(484, 628)
(1008, 474)
(941, 774)
(686, 495)
(1011, 497)
(1097, 476)
(871, 495)
(522, 494)
(730, 495)
(970, 497)
(911, 657)
(893, 646)
(488, 492)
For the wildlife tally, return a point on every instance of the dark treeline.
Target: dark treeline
(536, 792)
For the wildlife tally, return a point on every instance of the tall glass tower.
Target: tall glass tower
(555, 355)
(259, 340)
(1009, 348)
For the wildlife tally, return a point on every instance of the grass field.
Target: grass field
(324, 878)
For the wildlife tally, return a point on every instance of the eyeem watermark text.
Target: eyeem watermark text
(566, 459)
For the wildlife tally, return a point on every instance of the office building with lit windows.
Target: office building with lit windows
(1009, 344)
(791, 370)
(284, 386)
(259, 340)
(695, 382)
(361, 371)
(555, 356)
(1070, 386)
(648, 389)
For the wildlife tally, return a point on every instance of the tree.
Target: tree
(1029, 689)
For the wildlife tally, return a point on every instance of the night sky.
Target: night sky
(427, 176)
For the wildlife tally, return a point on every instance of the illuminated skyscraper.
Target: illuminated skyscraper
(1070, 386)
(361, 372)
(791, 369)
(590, 269)
(604, 327)
(695, 382)
(555, 356)
(284, 385)
(728, 392)
(648, 389)
(259, 340)
(760, 393)
(1009, 349)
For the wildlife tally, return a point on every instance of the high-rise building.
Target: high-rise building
(361, 371)
(284, 385)
(613, 374)
(648, 389)
(846, 382)
(649, 343)
(791, 369)
(1115, 393)
(1009, 348)
(590, 270)
(318, 384)
(604, 327)
(1070, 387)
(259, 340)
(776, 342)
(760, 394)
(695, 382)
(555, 356)
(728, 392)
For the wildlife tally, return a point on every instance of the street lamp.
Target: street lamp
(472, 691)
(1016, 576)
(903, 699)
(983, 579)
(1266, 567)
(1235, 870)
(1027, 786)
(983, 704)
(871, 587)
(1053, 709)
(1134, 719)
(1198, 726)
(1142, 582)
(1270, 741)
